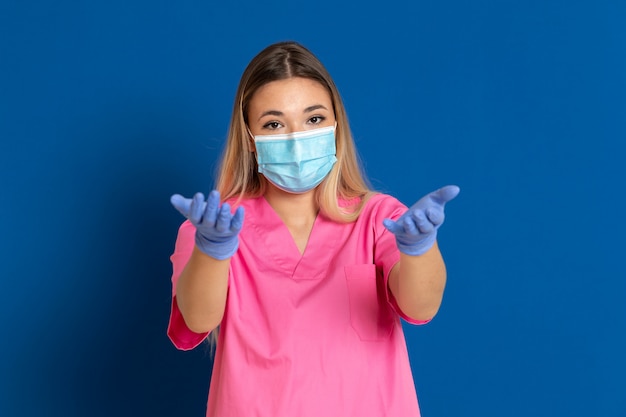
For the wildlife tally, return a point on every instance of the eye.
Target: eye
(315, 120)
(272, 125)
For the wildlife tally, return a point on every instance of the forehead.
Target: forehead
(290, 92)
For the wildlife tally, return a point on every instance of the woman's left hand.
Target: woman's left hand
(416, 230)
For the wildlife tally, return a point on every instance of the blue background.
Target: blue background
(109, 107)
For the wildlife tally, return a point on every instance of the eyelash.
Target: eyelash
(273, 125)
(321, 119)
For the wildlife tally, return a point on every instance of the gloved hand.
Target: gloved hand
(216, 228)
(416, 230)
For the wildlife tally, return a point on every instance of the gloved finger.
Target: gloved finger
(223, 218)
(196, 209)
(409, 225)
(421, 222)
(393, 226)
(212, 208)
(237, 222)
(444, 194)
(181, 204)
(435, 216)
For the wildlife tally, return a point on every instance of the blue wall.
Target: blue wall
(109, 107)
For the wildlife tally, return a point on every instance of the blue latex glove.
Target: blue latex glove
(416, 230)
(216, 228)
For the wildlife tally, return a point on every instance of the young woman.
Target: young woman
(303, 267)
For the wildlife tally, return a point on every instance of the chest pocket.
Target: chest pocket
(370, 315)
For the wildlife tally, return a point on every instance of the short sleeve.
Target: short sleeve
(180, 335)
(386, 253)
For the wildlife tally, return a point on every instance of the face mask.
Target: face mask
(296, 162)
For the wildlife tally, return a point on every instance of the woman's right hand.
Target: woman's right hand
(217, 229)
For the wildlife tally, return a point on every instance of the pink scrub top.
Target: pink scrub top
(317, 334)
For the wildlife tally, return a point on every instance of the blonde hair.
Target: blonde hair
(238, 176)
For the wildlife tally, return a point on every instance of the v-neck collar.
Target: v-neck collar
(281, 247)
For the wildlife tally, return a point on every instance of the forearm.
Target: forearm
(201, 291)
(418, 282)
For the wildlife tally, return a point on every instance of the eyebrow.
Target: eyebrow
(271, 113)
(314, 107)
(280, 113)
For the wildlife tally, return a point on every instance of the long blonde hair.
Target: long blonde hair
(238, 176)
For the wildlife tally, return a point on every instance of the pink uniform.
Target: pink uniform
(314, 335)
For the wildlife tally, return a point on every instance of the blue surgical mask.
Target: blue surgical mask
(296, 162)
